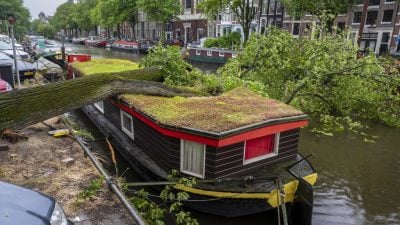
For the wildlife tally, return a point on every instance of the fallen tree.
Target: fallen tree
(28, 106)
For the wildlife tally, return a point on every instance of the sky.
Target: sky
(47, 6)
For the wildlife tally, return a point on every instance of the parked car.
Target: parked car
(4, 86)
(26, 70)
(8, 40)
(7, 49)
(22, 206)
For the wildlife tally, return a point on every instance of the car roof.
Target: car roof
(4, 46)
(4, 56)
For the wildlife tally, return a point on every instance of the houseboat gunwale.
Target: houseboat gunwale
(210, 58)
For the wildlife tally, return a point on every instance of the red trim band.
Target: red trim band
(214, 142)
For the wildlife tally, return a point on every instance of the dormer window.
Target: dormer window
(261, 148)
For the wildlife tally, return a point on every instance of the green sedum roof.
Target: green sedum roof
(234, 109)
(105, 66)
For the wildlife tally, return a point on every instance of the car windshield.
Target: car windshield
(5, 46)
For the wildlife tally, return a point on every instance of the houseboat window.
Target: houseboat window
(261, 148)
(234, 55)
(127, 124)
(209, 53)
(198, 52)
(221, 54)
(99, 106)
(193, 158)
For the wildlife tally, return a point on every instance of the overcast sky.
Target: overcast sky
(47, 6)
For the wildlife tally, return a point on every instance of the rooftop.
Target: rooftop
(234, 109)
(105, 66)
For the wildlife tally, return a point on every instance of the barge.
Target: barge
(131, 46)
(245, 143)
(210, 55)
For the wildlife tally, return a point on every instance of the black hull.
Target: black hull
(129, 50)
(149, 171)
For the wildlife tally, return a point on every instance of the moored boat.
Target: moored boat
(242, 147)
(125, 46)
(210, 55)
(96, 41)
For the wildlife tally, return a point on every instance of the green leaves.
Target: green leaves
(322, 77)
(160, 10)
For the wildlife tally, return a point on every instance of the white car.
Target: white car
(7, 49)
(6, 39)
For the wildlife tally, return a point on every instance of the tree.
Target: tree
(82, 16)
(325, 10)
(46, 30)
(28, 106)
(21, 13)
(64, 17)
(160, 10)
(244, 10)
(323, 77)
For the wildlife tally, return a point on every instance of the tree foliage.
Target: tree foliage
(160, 10)
(21, 13)
(244, 10)
(325, 10)
(230, 41)
(323, 77)
(64, 17)
(82, 14)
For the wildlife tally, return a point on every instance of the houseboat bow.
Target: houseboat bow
(247, 144)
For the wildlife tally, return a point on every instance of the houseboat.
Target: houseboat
(96, 41)
(210, 55)
(141, 46)
(242, 148)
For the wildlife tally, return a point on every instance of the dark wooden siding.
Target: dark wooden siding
(112, 113)
(162, 149)
(229, 159)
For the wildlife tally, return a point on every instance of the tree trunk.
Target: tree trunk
(362, 23)
(25, 107)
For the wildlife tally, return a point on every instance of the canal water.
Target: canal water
(359, 182)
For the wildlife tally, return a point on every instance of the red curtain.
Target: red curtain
(259, 146)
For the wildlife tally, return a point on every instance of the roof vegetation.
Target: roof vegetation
(105, 66)
(233, 109)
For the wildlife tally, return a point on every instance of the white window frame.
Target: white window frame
(204, 161)
(261, 157)
(198, 52)
(99, 106)
(392, 2)
(221, 54)
(126, 131)
(234, 55)
(385, 22)
(209, 53)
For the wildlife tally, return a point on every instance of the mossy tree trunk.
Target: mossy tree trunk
(28, 106)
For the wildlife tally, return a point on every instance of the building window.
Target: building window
(389, 1)
(296, 29)
(188, 4)
(272, 7)
(127, 124)
(341, 26)
(209, 53)
(278, 8)
(99, 106)
(374, 2)
(193, 156)
(261, 148)
(357, 17)
(387, 16)
(371, 17)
